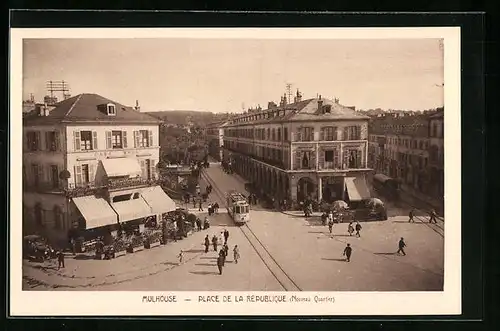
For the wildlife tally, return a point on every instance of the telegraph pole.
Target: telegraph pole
(289, 92)
(58, 86)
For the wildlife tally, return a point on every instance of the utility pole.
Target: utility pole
(58, 86)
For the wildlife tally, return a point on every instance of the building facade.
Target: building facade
(400, 148)
(436, 154)
(314, 148)
(214, 135)
(88, 162)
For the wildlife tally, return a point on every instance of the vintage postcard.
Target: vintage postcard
(235, 171)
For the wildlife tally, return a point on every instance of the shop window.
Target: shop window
(121, 198)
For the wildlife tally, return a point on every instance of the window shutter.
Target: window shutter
(150, 137)
(41, 173)
(57, 140)
(298, 160)
(322, 158)
(346, 134)
(47, 141)
(358, 159)
(124, 139)
(108, 139)
(143, 168)
(94, 140)
(92, 173)
(76, 140)
(152, 168)
(136, 139)
(78, 175)
(312, 160)
(322, 135)
(38, 141)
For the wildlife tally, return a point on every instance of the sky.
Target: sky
(229, 75)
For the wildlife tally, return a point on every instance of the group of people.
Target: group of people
(223, 251)
(432, 216)
(213, 208)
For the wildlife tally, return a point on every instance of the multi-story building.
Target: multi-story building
(314, 148)
(89, 162)
(214, 133)
(399, 148)
(436, 154)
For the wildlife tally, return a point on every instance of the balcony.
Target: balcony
(276, 163)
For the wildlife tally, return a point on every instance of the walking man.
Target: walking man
(350, 229)
(358, 228)
(60, 259)
(236, 253)
(432, 218)
(194, 202)
(410, 216)
(222, 254)
(330, 225)
(220, 264)
(214, 242)
(226, 236)
(207, 244)
(180, 256)
(347, 253)
(200, 205)
(402, 246)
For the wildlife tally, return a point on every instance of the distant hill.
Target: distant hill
(189, 117)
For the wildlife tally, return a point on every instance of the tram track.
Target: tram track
(281, 276)
(436, 227)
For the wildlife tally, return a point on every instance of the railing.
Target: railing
(131, 182)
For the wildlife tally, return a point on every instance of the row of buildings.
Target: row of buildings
(321, 149)
(89, 163)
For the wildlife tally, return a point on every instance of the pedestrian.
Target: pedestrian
(207, 244)
(194, 202)
(226, 236)
(347, 253)
(402, 246)
(358, 228)
(214, 242)
(236, 253)
(222, 253)
(198, 223)
(220, 264)
(200, 205)
(324, 217)
(330, 225)
(60, 259)
(410, 216)
(226, 250)
(209, 209)
(206, 224)
(350, 229)
(432, 218)
(180, 256)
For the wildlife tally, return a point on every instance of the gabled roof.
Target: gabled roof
(305, 110)
(84, 108)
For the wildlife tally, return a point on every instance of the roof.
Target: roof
(83, 108)
(305, 110)
(439, 114)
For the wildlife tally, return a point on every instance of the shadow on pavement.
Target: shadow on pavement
(338, 260)
(206, 264)
(204, 273)
(84, 257)
(393, 253)
(209, 258)
(195, 251)
(317, 232)
(170, 263)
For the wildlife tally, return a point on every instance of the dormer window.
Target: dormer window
(111, 109)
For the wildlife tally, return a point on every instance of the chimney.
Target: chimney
(282, 102)
(320, 105)
(298, 97)
(137, 107)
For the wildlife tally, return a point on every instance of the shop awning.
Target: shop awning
(96, 211)
(121, 167)
(357, 189)
(131, 209)
(158, 200)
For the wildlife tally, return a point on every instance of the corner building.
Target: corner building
(314, 148)
(89, 163)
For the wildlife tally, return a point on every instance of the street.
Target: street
(301, 248)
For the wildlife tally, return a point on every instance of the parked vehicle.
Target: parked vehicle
(386, 186)
(35, 247)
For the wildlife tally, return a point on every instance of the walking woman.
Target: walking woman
(350, 229)
(236, 253)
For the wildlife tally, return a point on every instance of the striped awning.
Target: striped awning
(132, 209)
(120, 167)
(357, 189)
(158, 200)
(96, 211)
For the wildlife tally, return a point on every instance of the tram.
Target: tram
(386, 186)
(238, 207)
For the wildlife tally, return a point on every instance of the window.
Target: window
(116, 139)
(111, 110)
(122, 197)
(54, 174)
(38, 214)
(147, 168)
(58, 220)
(144, 138)
(33, 138)
(36, 171)
(84, 174)
(329, 156)
(306, 134)
(285, 134)
(305, 159)
(273, 136)
(52, 140)
(330, 133)
(352, 132)
(352, 158)
(85, 140)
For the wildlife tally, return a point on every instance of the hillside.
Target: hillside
(187, 117)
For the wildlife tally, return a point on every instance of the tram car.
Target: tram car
(386, 186)
(238, 207)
